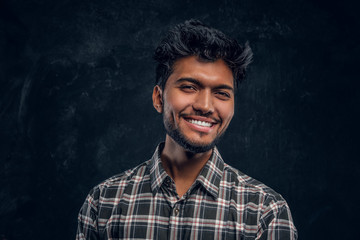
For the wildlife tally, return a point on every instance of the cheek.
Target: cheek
(177, 103)
(171, 108)
(226, 112)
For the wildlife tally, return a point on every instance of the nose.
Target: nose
(203, 102)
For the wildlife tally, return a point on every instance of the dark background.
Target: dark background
(76, 79)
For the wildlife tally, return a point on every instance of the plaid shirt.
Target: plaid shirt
(223, 203)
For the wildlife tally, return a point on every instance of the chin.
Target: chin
(191, 146)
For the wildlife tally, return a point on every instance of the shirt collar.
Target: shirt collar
(211, 174)
(209, 177)
(157, 172)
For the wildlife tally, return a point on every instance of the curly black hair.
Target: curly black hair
(193, 38)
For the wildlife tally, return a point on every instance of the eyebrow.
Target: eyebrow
(194, 81)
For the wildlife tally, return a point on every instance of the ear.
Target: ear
(157, 99)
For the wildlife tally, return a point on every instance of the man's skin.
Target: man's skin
(196, 90)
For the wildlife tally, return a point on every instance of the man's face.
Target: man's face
(197, 103)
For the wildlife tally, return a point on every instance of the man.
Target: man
(186, 191)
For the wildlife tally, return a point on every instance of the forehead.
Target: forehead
(212, 73)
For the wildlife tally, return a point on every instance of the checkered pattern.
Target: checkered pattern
(223, 203)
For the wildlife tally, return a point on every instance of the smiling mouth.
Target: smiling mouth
(200, 123)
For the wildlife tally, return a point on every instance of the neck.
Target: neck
(181, 165)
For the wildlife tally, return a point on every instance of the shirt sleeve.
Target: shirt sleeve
(276, 222)
(87, 219)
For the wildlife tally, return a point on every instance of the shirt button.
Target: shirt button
(176, 211)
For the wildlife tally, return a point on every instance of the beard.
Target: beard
(186, 143)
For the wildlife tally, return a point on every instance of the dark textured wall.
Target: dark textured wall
(76, 79)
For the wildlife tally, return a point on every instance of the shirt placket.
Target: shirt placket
(175, 221)
(176, 206)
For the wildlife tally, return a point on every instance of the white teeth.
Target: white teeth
(200, 123)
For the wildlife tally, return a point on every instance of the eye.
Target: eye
(223, 95)
(188, 88)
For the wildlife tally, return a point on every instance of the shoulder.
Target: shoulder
(104, 197)
(238, 178)
(254, 191)
(114, 186)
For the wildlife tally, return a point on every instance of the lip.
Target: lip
(201, 118)
(199, 128)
